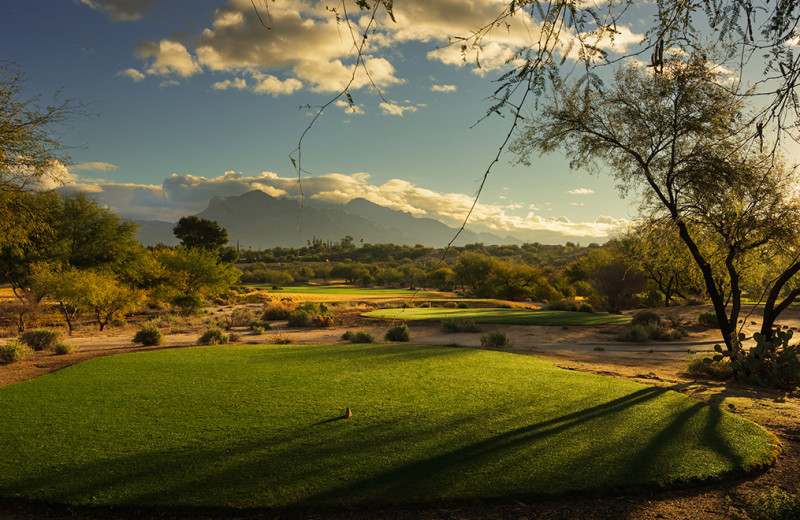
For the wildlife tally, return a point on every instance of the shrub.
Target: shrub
(646, 317)
(62, 348)
(358, 337)
(148, 335)
(562, 305)
(770, 363)
(457, 325)
(260, 325)
(449, 305)
(233, 337)
(188, 304)
(322, 320)
(213, 336)
(13, 351)
(774, 504)
(585, 307)
(495, 339)
(241, 317)
(634, 333)
(280, 339)
(256, 330)
(701, 366)
(425, 305)
(708, 318)
(41, 339)
(278, 310)
(462, 305)
(398, 333)
(299, 318)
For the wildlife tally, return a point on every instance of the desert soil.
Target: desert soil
(589, 349)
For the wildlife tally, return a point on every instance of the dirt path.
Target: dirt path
(573, 348)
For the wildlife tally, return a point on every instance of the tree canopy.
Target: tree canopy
(202, 233)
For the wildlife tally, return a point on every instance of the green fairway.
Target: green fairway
(261, 426)
(336, 289)
(505, 316)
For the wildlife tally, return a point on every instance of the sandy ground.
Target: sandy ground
(574, 348)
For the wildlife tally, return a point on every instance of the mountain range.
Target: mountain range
(258, 220)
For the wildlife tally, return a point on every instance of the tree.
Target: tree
(677, 139)
(194, 272)
(200, 233)
(472, 270)
(31, 156)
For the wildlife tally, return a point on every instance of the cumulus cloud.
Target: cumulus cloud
(394, 109)
(237, 83)
(168, 57)
(120, 10)
(93, 166)
(580, 191)
(181, 195)
(133, 74)
(348, 108)
(307, 47)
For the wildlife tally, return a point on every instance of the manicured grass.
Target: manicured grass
(499, 315)
(261, 426)
(337, 289)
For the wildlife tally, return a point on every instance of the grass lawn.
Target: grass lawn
(337, 289)
(260, 426)
(499, 315)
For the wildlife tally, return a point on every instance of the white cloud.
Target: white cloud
(181, 195)
(120, 10)
(269, 84)
(133, 74)
(443, 88)
(393, 109)
(93, 166)
(348, 108)
(238, 83)
(581, 191)
(169, 57)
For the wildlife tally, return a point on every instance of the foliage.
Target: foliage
(585, 307)
(299, 318)
(259, 326)
(31, 155)
(459, 325)
(720, 370)
(13, 351)
(241, 317)
(774, 504)
(634, 333)
(398, 333)
(200, 233)
(496, 339)
(213, 336)
(41, 339)
(707, 318)
(149, 335)
(772, 362)
(358, 337)
(679, 140)
(278, 310)
(562, 305)
(188, 304)
(645, 317)
(195, 271)
(62, 348)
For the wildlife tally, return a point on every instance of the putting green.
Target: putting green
(261, 426)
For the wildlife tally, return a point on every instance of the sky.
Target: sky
(189, 100)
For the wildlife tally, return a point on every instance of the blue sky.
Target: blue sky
(191, 99)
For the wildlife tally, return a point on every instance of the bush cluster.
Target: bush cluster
(639, 332)
(398, 333)
(61, 348)
(358, 337)
(278, 310)
(774, 504)
(708, 318)
(564, 305)
(458, 325)
(310, 313)
(13, 351)
(41, 339)
(188, 304)
(149, 335)
(701, 366)
(213, 336)
(495, 339)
